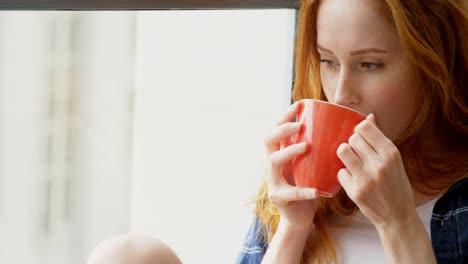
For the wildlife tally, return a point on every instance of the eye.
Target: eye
(371, 66)
(328, 63)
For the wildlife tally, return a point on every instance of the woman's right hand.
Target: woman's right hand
(297, 205)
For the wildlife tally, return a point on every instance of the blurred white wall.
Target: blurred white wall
(103, 73)
(24, 83)
(66, 97)
(209, 86)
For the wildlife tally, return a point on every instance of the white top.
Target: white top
(357, 242)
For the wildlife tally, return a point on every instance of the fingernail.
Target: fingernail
(340, 172)
(324, 194)
(369, 116)
(313, 193)
(301, 145)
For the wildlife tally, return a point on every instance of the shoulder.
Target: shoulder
(454, 201)
(255, 244)
(449, 234)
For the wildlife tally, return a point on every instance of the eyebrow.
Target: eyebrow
(355, 52)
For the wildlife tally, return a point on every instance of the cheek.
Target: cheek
(397, 108)
(328, 85)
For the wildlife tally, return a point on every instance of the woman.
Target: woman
(403, 63)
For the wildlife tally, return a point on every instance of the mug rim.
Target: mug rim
(332, 104)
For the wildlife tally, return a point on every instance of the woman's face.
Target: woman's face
(363, 65)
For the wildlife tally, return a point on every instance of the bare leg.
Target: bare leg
(132, 249)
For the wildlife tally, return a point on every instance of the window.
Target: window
(142, 121)
(66, 89)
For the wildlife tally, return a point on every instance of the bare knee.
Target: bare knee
(132, 249)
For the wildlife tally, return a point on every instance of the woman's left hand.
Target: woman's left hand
(375, 177)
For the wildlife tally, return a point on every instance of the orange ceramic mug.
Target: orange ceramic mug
(326, 126)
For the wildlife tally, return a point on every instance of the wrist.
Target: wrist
(300, 232)
(288, 243)
(401, 228)
(296, 228)
(406, 241)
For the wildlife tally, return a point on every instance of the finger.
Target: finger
(281, 133)
(362, 149)
(286, 141)
(346, 180)
(349, 159)
(280, 158)
(290, 114)
(299, 193)
(372, 134)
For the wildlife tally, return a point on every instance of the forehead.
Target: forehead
(354, 24)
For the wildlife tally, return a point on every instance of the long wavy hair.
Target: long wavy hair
(434, 34)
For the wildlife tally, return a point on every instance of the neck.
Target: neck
(421, 198)
(430, 145)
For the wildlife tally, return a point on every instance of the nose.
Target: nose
(346, 91)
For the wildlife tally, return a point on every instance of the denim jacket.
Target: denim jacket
(449, 225)
(449, 230)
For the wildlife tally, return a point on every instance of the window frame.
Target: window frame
(145, 4)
